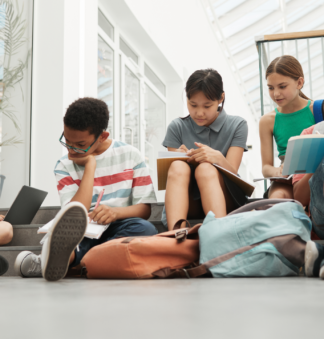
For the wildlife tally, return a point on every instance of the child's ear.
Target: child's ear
(222, 98)
(300, 84)
(104, 136)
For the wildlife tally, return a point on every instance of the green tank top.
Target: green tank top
(290, 125)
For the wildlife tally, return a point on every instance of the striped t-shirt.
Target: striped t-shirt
(120, 170)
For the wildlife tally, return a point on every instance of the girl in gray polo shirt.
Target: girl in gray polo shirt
(209, 136)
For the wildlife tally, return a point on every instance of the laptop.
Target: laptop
(25, 206)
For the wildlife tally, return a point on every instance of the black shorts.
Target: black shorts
(238, 196)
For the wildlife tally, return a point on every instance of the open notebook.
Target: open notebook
(165, 159)
(93, 231)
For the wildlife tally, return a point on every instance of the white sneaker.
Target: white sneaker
(68, 230)
(28, 265)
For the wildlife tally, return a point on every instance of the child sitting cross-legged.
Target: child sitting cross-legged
(94, 162)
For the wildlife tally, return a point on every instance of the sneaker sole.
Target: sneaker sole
(67, 234)
(20, 258)
(311, 254)
(4, 265)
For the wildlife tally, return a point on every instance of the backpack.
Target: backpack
(318, 110)
(140, 257)
(262, 239)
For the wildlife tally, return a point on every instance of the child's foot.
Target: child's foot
(66, 233)
(28, 265)
(314, 255)
(3, 265)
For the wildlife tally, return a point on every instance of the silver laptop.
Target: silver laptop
(25, 206)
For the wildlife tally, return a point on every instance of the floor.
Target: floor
(199, 308)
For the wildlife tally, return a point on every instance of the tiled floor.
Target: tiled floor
(198, 308)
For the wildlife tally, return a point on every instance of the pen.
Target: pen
(99, 198)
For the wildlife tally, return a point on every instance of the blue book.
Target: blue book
(304, 154)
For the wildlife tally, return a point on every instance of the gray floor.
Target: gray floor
(197, 308)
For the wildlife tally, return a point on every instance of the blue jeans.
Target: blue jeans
(316, 206)
(121, 228)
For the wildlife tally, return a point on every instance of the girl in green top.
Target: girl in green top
(285, 79)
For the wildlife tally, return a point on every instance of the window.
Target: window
(106, 79)
(154, 79)
(127, 50)
(132, 108)
(107, 27)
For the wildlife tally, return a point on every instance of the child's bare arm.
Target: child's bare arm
(266, 139)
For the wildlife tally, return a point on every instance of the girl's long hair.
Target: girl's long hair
(288, 66)
(208, 81)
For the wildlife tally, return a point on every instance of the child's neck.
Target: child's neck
(103, 147)
(295, 105)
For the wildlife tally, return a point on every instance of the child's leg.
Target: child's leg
(177, 192)
(214, 194)
(281, 191)
(6, 232)
(316, 206)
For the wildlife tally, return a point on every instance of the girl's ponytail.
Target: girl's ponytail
(288, 66)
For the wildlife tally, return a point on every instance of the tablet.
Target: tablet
(25, 206)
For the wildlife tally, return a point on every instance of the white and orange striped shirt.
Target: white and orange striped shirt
(120, 170)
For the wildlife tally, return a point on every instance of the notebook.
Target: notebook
(93, 231)
(274, 178)
(304, 154)
(165, 160)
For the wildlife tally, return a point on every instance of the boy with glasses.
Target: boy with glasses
(93, 163)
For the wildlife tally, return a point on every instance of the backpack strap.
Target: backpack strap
(262, 204)
(203, 268)
(318, 110)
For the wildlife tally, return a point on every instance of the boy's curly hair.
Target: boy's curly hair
(87, 114)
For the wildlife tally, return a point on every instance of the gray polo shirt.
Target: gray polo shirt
(225, 132)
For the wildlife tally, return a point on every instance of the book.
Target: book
(274, 178)
(93, 231)
(304, 153)
(165, 160)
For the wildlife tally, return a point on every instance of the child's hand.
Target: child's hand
(182, 149)
(204, 154)
(2, 217)
(278, 173)
(83, 161)
(103, 215)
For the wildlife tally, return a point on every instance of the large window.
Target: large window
(134, 93)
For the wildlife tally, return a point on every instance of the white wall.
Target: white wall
(64, 69)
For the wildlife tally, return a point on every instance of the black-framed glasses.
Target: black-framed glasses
(76, 149)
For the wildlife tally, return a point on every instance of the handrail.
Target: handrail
(290, 36)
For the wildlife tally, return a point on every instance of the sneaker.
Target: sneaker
(68, 230)
(321, 274)
(28, 265)
(314, 254)
(3, 265)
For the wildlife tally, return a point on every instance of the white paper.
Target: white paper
(273, 178)
(168, 154)
(93, 231)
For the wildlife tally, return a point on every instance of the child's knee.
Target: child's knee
(147, 228)
(206, 171)
(179, 169)
(6, 232)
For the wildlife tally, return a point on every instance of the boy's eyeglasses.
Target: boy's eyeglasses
(78, 150)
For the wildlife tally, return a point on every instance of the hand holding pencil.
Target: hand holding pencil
(103, 214)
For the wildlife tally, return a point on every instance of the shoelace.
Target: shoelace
(36, 264)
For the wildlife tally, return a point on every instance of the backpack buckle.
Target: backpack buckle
(181, 235)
